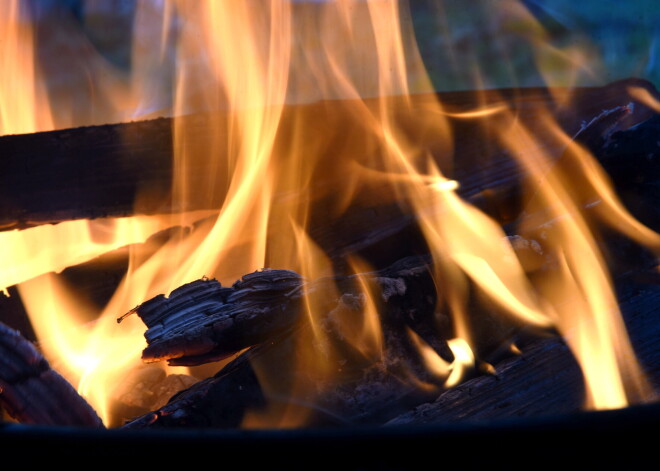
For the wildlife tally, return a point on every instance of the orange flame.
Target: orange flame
(23, 107)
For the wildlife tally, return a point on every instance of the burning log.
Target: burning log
(364, 394)
(32, 392)
(203, 321)
(145, 389)
(631, 158)
(126, 169)
(361, 399)
(238, 317)
(543, 379)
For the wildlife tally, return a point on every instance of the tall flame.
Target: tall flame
(23, 107)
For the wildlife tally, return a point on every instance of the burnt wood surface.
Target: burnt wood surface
(32, 392)
(203, 321)
(363, 394)
(265, 310)
(543, 380)
(632, 159)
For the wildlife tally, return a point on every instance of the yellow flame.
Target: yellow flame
(364, 332)
(94, 355)
(89, 347)
(38, 250)
(451, 372)
(23, 107)
(585, 307)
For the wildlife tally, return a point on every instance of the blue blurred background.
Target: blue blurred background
(469, 44)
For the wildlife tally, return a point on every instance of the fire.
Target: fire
(52, 248)
(23, 107)
(242, 63)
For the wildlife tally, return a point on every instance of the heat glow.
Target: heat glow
(354, 69)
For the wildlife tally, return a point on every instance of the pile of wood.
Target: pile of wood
(260, 323)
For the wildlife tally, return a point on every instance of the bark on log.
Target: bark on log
(32, 392)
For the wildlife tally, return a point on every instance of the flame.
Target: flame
(585, 307)
(23, 107)
(95, 355)
(52, 248)
(88, 345)
(451, 372)
(644, 96)
(237, 66)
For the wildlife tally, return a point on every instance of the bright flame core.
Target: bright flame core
(259, 169)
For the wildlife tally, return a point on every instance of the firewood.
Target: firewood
(219, 402)
(267, 305)
(126, 169)
(96, 171)
(359, 393)
(204, 321)
(545, 379)
(632, 159)
(144, 389)
(213, 337)
(32, 392)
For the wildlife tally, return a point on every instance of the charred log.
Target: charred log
(203, 321)
(236, 317)
(235, 396)
(545, 379)
(126, 169)
(32, 392)
(632, 159)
